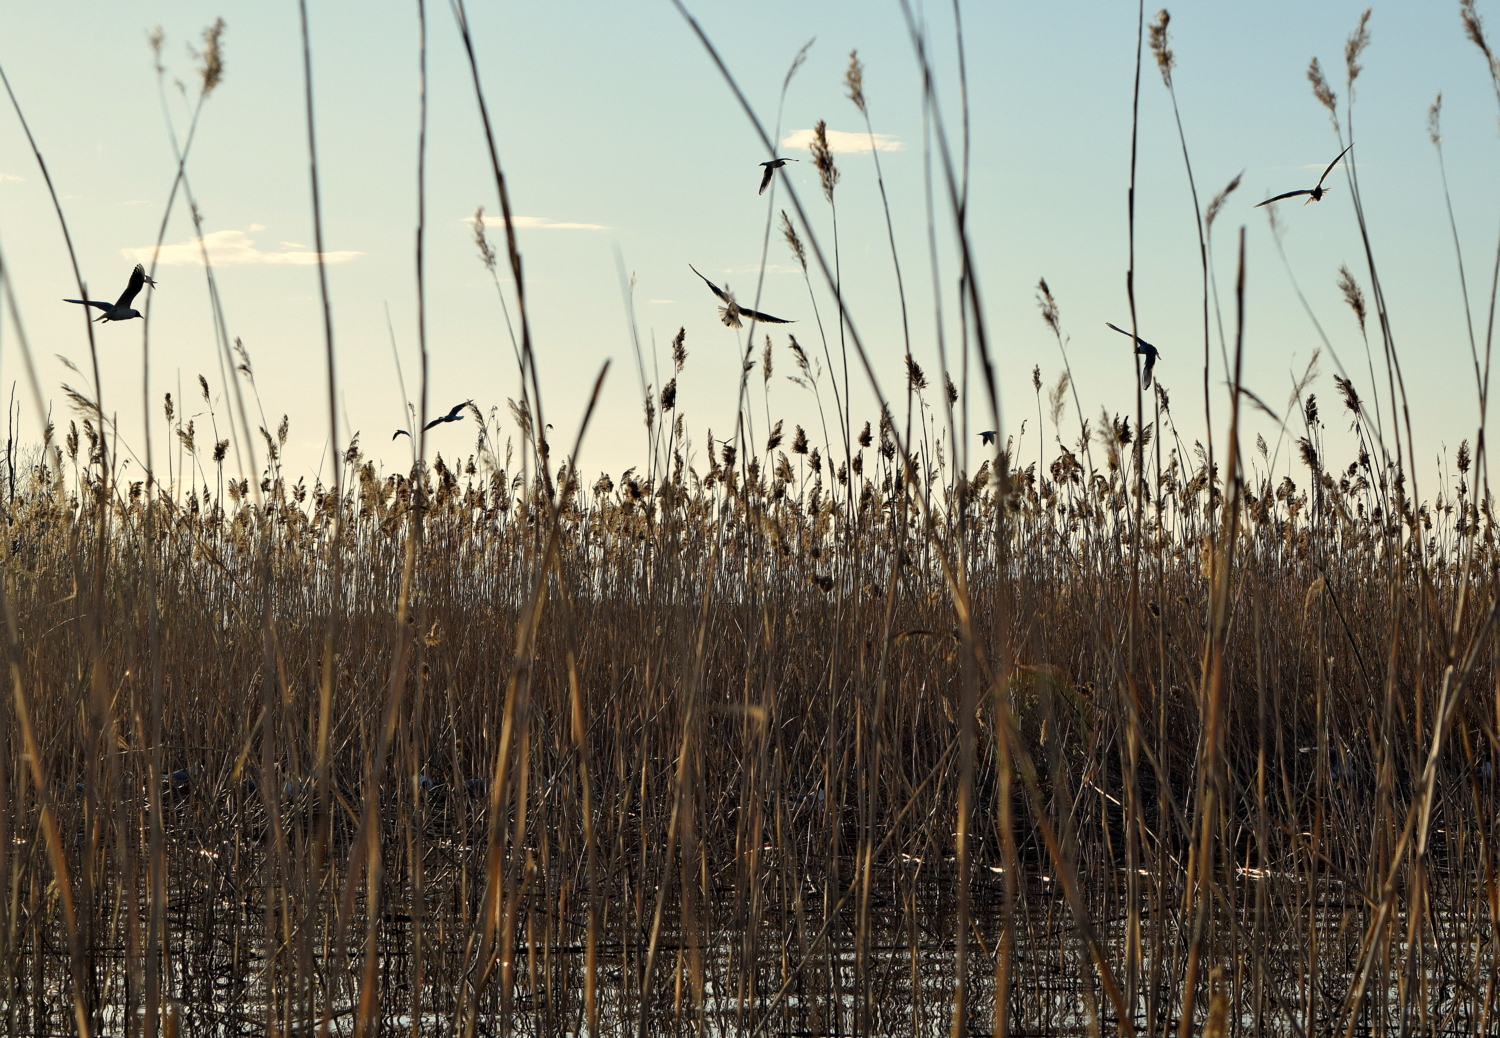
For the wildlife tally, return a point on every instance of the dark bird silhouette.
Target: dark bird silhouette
(771, 168)
(731, 311)
(987, 437)
(454, 415)
(120, 309)
(1316, 192)
(1146, 350)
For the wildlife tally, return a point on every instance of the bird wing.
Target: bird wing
(716, 289)
(1139, 341)
(137, 279)
(106, 307)
(765, 181)
(449, 417)
(756, 315)
(453, 414)
(1287, 194)
(1335, 162)
(400, 432)
(1146, 371)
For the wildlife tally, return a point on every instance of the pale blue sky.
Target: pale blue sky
(611, 115)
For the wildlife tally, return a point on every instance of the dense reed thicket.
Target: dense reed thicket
(690, 749)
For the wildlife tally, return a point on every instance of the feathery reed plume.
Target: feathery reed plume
(1036, 377)
(1435, 120)
(1352, 294)
(795, 243)
(950, 389)
(482, 240)
(155, 38)
(1048, 304)
(1055, 396)
(669, 396)
(800, 354)
(1218, 202)
(1474, 30)
(679, 350)
(865, 437)
(854, 80)
(211, 58)
(1347, 391)
(1161, 46)
(915, 377)
(1322, 91)
(774, 440)
(1309, 454)
(822, 154)
(1358, 40)
(799, 442)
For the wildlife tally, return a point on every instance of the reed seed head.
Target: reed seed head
(211, 59)
(822, 154)
(1358, 40)
(1474, 28)
(854, 81)
(1219, 200)
(1322, 91)
(1050, 313)
(1435, 121)
(486, 252)
(1161, 46)
(915, 377)
(679, 349)
(790, 234)
(1352, 295)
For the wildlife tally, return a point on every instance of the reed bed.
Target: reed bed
(711, 784)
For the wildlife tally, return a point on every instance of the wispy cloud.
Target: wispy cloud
(538, 221)
(10, 178)
(842, 141)
(233, 246)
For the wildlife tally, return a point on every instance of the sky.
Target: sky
(622, 144)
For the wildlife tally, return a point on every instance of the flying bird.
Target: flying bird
(771, 168)
(987, 437)
(1317, 191)
(121, 310)
(1146, 350)
(731, 311)
(454, 415)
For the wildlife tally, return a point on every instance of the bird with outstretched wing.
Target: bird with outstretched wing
(1314, 193)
